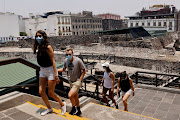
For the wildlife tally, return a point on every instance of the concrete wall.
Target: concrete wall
(33, 25)
(9, 25)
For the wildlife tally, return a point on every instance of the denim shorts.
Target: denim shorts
(47, 72)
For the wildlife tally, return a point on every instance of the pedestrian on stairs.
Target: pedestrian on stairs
(76, 71)
(127, 88)
(108, 82)
(48, 71)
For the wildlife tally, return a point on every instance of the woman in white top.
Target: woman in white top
(108, 82)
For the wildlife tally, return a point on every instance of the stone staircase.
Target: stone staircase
(30, 109)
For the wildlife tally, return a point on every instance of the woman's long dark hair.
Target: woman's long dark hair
(43, 45)
(108, 70)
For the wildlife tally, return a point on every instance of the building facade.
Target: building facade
(53, 23)
(155, 16)
(9, 27)
(85, 23)
(177, 21)
(59, 24)
(111, 21)
(110, 16)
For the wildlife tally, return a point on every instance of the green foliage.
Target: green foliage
(23, 34)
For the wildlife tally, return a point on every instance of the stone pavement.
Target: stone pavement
(101, 112)
(153, 103)
(147, 104)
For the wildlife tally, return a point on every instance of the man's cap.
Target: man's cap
(105, 64)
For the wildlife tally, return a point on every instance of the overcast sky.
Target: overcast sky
(121, 7)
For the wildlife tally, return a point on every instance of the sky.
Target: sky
(120, 7)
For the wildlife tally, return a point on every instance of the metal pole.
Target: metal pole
(85, 84)
(100, 58)
(156, 81)
(136, 77)
(37, 76)
(97, 90)
(114, 58)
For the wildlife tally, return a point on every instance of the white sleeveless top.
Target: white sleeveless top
(108, 82)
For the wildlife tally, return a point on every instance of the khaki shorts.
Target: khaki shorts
(75, 85)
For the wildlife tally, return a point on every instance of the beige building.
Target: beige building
(63, 25)
(85, 23)
(56, 23)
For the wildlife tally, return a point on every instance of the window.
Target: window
(149, 24)
(62, 20)
(159, 24)
(154, 23)
(65, 20)
(165, 24)
(58, 20)
(137, 24)
(170, 25)
(143, 24)
(131, 24)
(66, 29)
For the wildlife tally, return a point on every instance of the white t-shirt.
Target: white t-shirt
(108, 82)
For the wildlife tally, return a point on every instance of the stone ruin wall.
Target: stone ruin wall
(59, 42)
(112, 45)
(150, 64)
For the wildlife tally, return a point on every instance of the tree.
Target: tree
(23, 34)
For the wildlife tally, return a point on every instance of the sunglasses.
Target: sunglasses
(39, 36)
(68, 54)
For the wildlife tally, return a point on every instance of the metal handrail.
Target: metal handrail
(156, 79)
(21, 60)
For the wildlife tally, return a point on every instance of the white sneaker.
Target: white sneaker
(63, 109)
(46, 112)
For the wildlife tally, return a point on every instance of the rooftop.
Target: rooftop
(17, 73)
